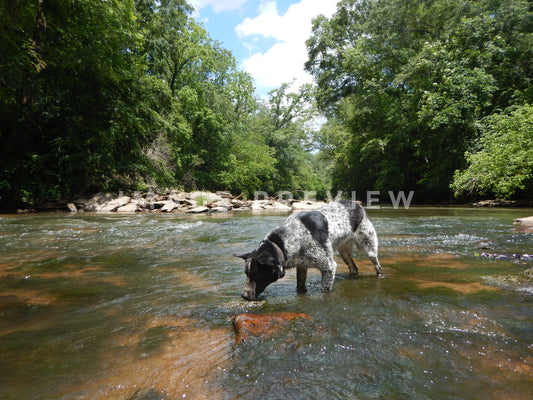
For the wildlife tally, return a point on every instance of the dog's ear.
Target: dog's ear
(266, 258)
(244, 256)
(267, 254)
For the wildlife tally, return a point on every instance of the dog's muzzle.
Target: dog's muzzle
(249, 291)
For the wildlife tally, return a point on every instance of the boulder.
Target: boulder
(120, 201)
(170, 205)
(189, 202)
(115, 204)
(495, 203)
(204, 197)
(140, 203)
(280, 206)
(262, 325)
(225, 203)
(177, 196)
(307, 205)
(95, 203)
(524, 224)
(128, 208)
(258, 205)
(108, 208)
(72, 208)
(236, 203)
(156, 205)
(271, 205)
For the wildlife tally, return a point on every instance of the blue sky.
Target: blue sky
(267, 37)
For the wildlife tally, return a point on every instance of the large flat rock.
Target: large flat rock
(262, 325)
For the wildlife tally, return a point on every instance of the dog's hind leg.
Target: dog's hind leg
(301, 277)
(345, 250)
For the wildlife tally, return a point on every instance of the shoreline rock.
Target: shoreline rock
(502, 203)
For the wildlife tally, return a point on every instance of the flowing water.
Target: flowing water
(140, 307)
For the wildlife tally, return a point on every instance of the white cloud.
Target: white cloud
(218, 5)
(284, 61)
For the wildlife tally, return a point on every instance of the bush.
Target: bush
(504, 163)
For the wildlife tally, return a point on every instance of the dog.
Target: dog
(309, 239)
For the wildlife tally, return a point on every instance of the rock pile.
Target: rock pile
(174, 201)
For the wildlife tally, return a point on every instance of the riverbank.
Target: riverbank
(178, 202)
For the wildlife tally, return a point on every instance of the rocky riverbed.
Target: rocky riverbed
(173, 201)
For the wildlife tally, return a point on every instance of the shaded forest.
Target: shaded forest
(430, 96)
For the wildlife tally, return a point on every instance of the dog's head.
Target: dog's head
(263, 266)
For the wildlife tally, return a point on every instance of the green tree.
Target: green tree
(504, 162)
(108, 94)
(207, 142)
(71, 112)
(411, 80)
(284, 124)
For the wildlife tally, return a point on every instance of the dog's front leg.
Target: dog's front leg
(328, 276)
(301, 277)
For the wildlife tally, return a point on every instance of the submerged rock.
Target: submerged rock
(262, 325)
(522, 282)
(506, 256)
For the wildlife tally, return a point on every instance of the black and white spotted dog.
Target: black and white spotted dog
(309, 239)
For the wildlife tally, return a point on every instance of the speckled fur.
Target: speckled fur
(342, 226)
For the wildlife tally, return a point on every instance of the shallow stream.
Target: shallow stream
(140, 307)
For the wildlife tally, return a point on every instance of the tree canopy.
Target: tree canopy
(432, 96)
(409, 86)
(105, 95)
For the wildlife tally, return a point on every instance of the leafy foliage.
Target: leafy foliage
(102, 95)
(409, 83)
(504, 162)
(71, 115)
(108, 94)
